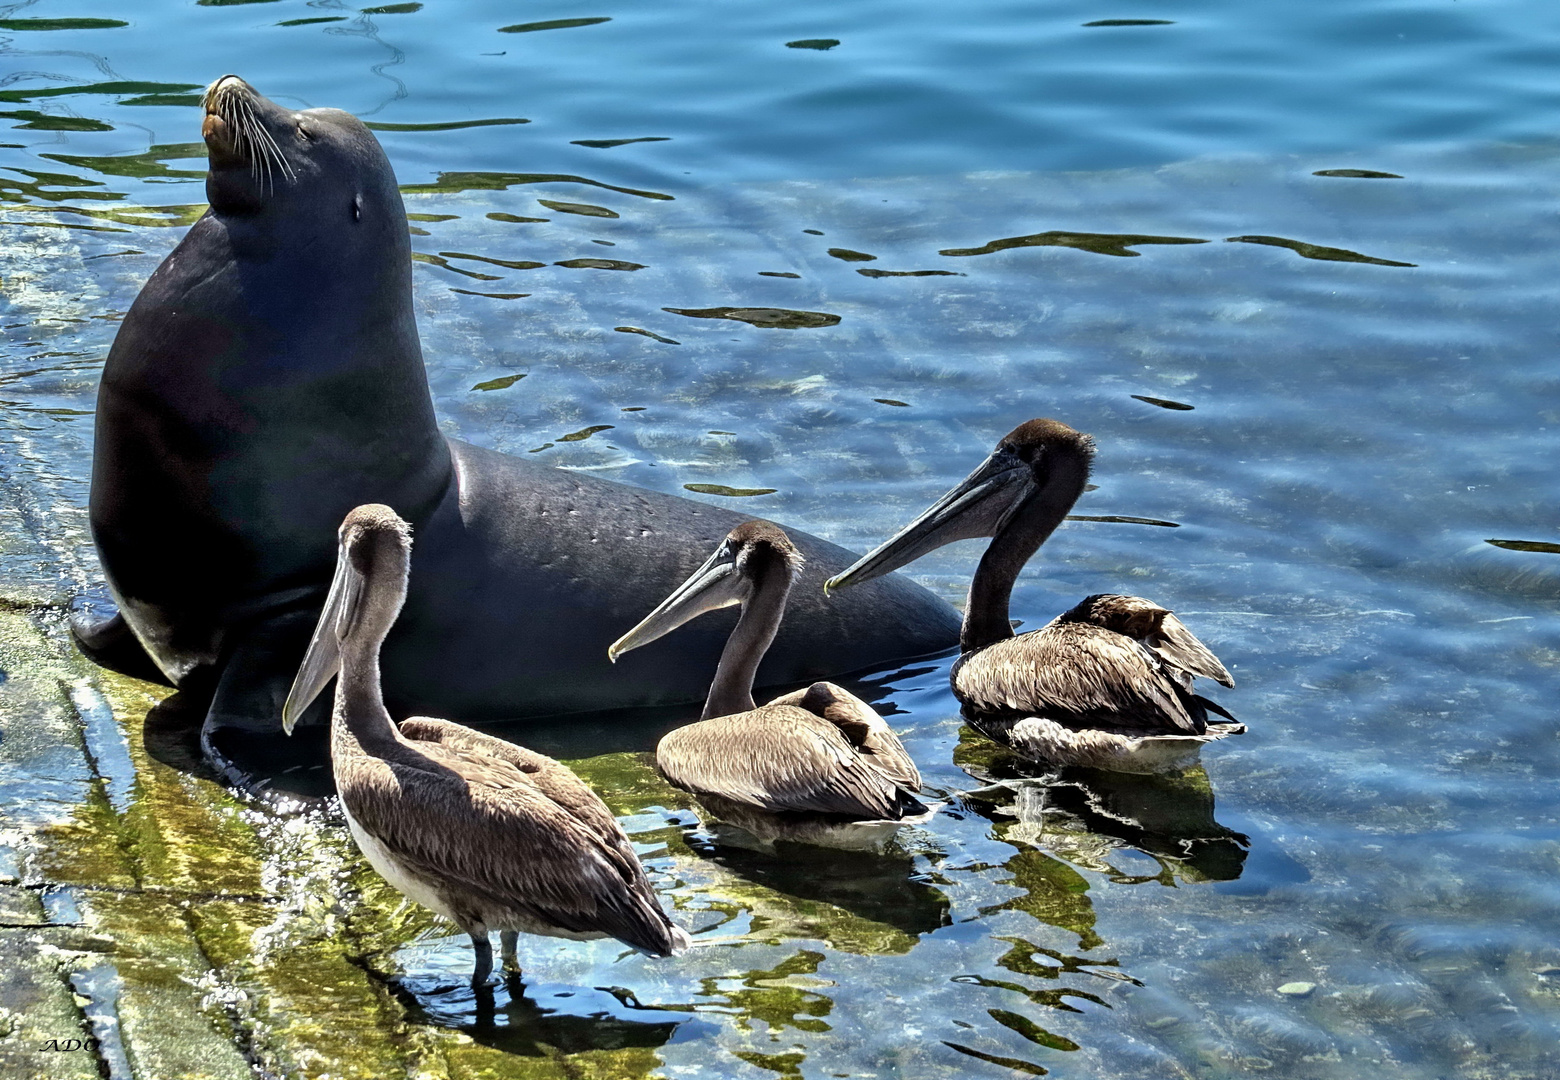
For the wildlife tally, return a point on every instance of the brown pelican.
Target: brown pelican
(821, 750)
(1099, 683)
(488, 834)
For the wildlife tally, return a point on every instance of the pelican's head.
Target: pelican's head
(751, 555)
(1033, 477)
(373, 555)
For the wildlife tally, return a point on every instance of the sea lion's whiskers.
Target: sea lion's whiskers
(249, 125)
(276, 153)
(269, 148)
(259, 164)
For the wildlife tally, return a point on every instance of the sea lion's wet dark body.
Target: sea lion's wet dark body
(269, 378)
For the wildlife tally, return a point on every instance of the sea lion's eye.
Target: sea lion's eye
(357, 208)
(304, 131)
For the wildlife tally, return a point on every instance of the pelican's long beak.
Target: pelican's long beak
(977, 507)
(323, 660)
(714, 585)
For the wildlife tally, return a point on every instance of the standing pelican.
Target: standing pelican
(486, 833)
(816, 751)
(1097, 681)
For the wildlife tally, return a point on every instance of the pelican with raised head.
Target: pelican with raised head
(486, 833)
(821, 750)
(1102, 684)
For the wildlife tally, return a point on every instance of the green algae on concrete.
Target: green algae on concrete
(39, 1005)
(151, 1014)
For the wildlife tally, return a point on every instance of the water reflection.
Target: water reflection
(1085, 814)
(537, 1020)
(1317, 251)
(882, 886)
(1120, 244)
(764, 318)
(502, 181)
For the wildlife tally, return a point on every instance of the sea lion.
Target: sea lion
(269, 378)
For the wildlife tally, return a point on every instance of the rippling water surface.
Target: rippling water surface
(1291, 264)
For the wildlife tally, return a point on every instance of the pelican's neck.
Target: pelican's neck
(731, 691)
(360, 711)
(360, 703)
(986, 612)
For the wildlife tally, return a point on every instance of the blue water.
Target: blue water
(1371, 367)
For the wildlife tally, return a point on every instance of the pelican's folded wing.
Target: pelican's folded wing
(1076, 673)
(1180, 647)
(554, 779)
(780, 758)
(861, 724)
(483, 829)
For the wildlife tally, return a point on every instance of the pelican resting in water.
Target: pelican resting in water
(821, 750)
(486, 833)
(1102, 684)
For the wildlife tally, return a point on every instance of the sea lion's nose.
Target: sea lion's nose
(225, 85)
(220, 143)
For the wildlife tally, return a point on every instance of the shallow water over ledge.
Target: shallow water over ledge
(1358, 430)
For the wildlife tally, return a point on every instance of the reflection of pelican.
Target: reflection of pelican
(540, 1021)
(876, 888)
(1099, 684)
(486, 833)
(816, 751)
(1083, 813)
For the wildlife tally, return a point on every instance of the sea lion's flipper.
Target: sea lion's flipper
(108, 641)
(242, 735)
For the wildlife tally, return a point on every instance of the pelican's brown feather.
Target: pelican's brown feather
(552, 778)
(860, 723)
(1155, 627)
(1078, 674)
(781, 758)
(1180, 647)
(482, 832)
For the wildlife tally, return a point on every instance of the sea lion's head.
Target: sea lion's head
(321, 163)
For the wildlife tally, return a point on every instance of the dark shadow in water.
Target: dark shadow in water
(764, 318)
(448, 125)
(1358, 174)
(1168, 816)
(599, 264)
(1316, 251)
(1165, 403)
(1122, 519)
(1527, 545)
(171, 732)
(728, 491)
(1100, 243)
(608, 144)
(881, 888)
(554, 24)
(534, 1021)
(497, 181)
(646, 333)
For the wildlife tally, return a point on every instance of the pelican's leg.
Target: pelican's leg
(507, 940)
(482, 972)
